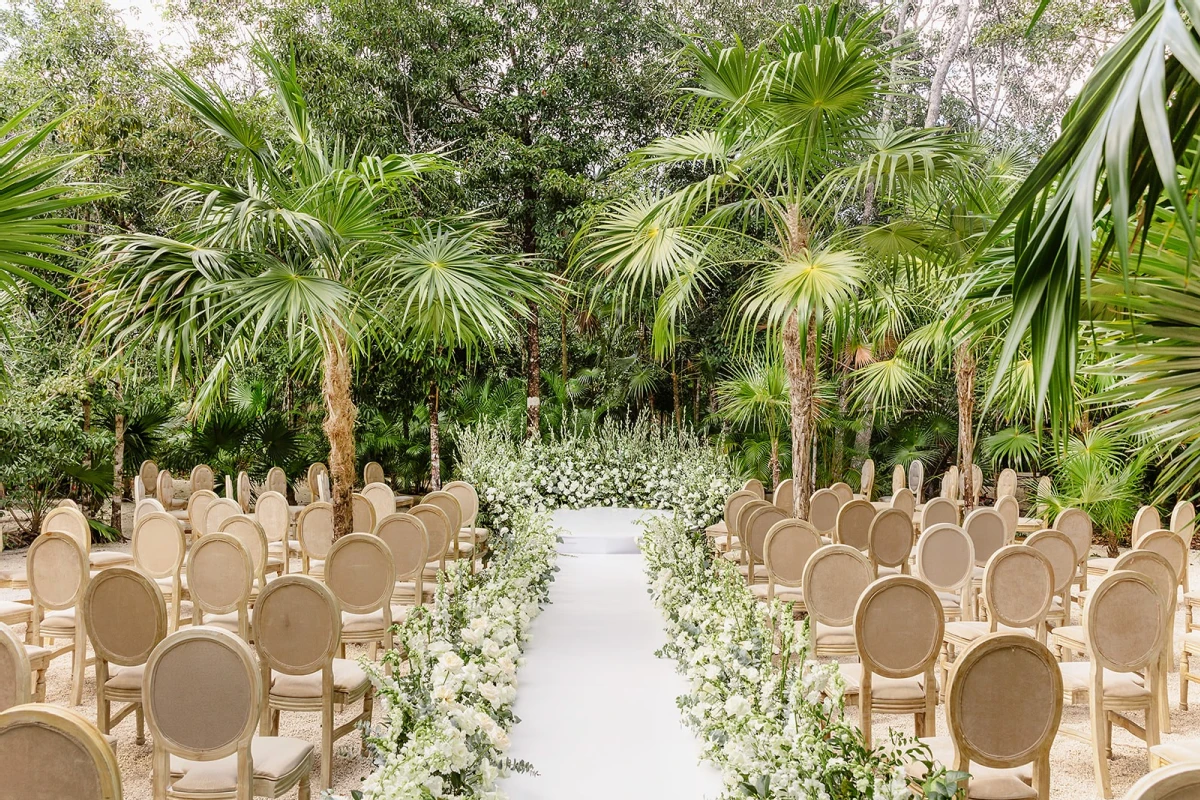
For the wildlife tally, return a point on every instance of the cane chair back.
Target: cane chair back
(245, 491)
(373, 473)
(1145, 520)
(218, 511)
(203, 478)
(916, 479)
(314, 532)
(758, 525)
(197, 509)
(147, 506)
(276, 482)
(67, 502)
(272, 513)
(1010, 511)
(448, 503)
(854, 524)
(15, 670)
(408, 544)
(1006, 483)
(220, 578)
(899, 479)
(976, 484)
(52, 753)
(381, 498)
(834, 578)
(790, 544)
(468, 501)
(1170, 547)
(823, 510)
(949, 488)
(437, 526)
(246, 530)
(1077, 525)
(165, 490)
(323, 492)
(299, 625)
(148, 472)
(158, 545)
(1018, 588)
(756, 486)
(988, 533)
(139, 489)
(784, 497)
(314, 470)
(1117, 620)
(58, 571)
(898, 626)
(363, 513)
(905, 501)
(203, 696)
(1004, 702)
(1156, 568)
(125, 614)
(70, 521)
(360, 573)
(1183, 520)
(890, 540)
(1174, 782)
(939, 511)
(866, 479)
(733, 509)
(1045, 489)
(945, 557)
(843, 491)
(1060, 551)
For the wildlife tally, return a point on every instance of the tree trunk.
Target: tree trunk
(534, 397)
(340, 414)
(435, 449)
(566, 374)
(862, 440)
(964, 380)
(696, 403)
(938, 85)
(774, 462)
(118, 492)
(839, 435)
(801, 373)
(675, 393)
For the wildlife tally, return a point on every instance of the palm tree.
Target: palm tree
(786, 145)
(755, 396)
(314, 239)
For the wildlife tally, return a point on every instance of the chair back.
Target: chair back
(834, 578)
(220, 574)
(854, 524)
(147, 506)
(939, 511)
(448, 503)
(203, 478)
(245, 491)
(381, 498)
(1183, 521)
(1004, 701)
(1077, 525)
(899, 479)
(276, 481)
(297, 625)
(246, 530)
(125, 615)
(407, 542)
(165, 490)
(758, 525)
(1045, 489)
(158, 545)
(1173, 782)
(57, 568)
(373, 473)
(890, 539)
(202, 694)
(313, 471)
(905, 501)
(197, 509)
(898, 627)
(976, 484)
(52, 753)
(218, 511)
(843, 491)
(916, 479)
(790, 544)
(1060, 551)
(1006, 483)
(314, 530)
(14, 670)
(1157, 569)
(323, 492)
(67, 502)
(139, 489)
(945, 557)
(70, 521)
(988, 533)
(1145, 520)
(148, 472)
(1122, 622)
(733, 508)
(363, 518)
(272, 513)
(784, 497)
(1018, 587)
(468, 501)
(823, 510)
(866, 479)
(1010, 511)
(1170, 547)
(949, 488)
(437, 526)
(361, 575)
(756, 486)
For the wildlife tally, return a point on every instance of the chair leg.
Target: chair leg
(78, 665)
(1164, 702)
(140, 714)
(1185, 677)
(864, 713)
(303, 791)
(327, 746)
(1099, 744)
(367, 713)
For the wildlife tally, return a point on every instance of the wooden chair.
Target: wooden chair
(1145, 521)
(139, 489)
(218, 511)
(989, 533)
(52, 753)
(790, 543)
(1003, 708)
(298, 630)
(1009, 511)
(373, 473)
(823, 508)
(159, 549)
(784, 497)
(314, 532)
(360, 573)
(437, 526)
(148, 472)
(314, 471)
(382, 499)
(203, 479)
(866, 480)
(950, 484)
(1077, 526)
(203, 698)
(72, 522)
(1123, 629)
(197, 510)
(246, 530)
(843, 491)
(724, 534)
(245, 491)
(834, 578)
(126, 617)
(946, 561)
(1176, 782)
(889, 542)
(468, 501)
(408, 543)
(276, 482)
(899, 479)
(939, 511)
(146, 506)
(1055, 546)
(16, 671)
(756, 486)
(273, 514)
(363, 513)
(898, 628)
(757, 525)
(165, 490)
(853, 526)
(1183, 523)
(448, 503)
(916, 480)
(905, 501)
(220, 579)
(1006, 483)
(58, 577)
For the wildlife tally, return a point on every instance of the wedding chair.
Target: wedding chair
(381, 498)
(246, 530)
(834, 578)
(1176, 782)
(939, 511)
(323, 492)
(1077, 526)
(889, 542)
(898, 628)
(276, 482)
(946, 561)
(724, 533)
(756, 486)
(373, 473)
(16, 671)
(299, 626)
(159, 550)
(1123, 629)
(905, 501)
(468, 501)
(220, 580)
(823, 508)
(789, 545)
(165, 491)
(314, 533)
(73, 523)
(899, 479)
(1147, 519)
(866, 480)
(949, 488)
(126, 617)
(1004, 703)
(758, 524)
(52, 753)
(67, 502)
(449, 504)
(1055, 546)
(218, 511)
(976, 485)
(146, 506)
(315, 470)
(1006, 483)
(988, 533)
(408, 542)
(203, 478)
(1183, 523)
(197, 510)
(271, 511)
(363, 513)
(437, 526)
(245, 491)
(853, 525)
(1009, 511)
(360, 573)
(916, 480)
(148, 472)
(203, 697)
(58, 576)
(784, 497)
(843, 491)
(139, 489)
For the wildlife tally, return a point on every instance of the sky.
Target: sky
(146, 16)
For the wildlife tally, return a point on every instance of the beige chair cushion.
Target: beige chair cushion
(316, 569)
(1179, 751)
(883, 688)
(970, 631)
(831, 635)
(166, 584)
(362, 623)
(987, 783)
(1101, 563)
(14, 576)
(734, 554)
(783, 593)
(950, 600)
(274, 757)
(275, 547)
(348, 677)
(107, 558)
(718, 528)
(400, 613)
(1117, 685)
(12, 612)
(38, 655)
(407, 589)
(1191, 643)
(129, 678)
(59, 623)
(1072, 633)
(228, 622)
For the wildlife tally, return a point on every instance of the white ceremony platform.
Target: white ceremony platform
(597, 708)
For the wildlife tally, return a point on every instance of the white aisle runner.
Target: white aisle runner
(597, 708)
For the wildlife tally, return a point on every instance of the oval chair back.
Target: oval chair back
(273, 514)
(363, 518)
(950, 485)
(916, 479)
(1077, 526)
(203, 478)
(218, 511)
(1183, 523)
(314, 532)
(315, 470)
(1157, 569)
(899, 479)
(854, 524)
(1010, 511)
(220, 578)
(276, 481)
(323, 491)
(823, 510)
(1060, 551)
(159, 549)
(246, 530)
(890, 540)
(381, 498)
(449, 504)
(939, 511)
(843, 491)
(165, 490)
(733, 508)
(58, 573)
(866, 479)
(408, 542)
(905, 501)
(834, 578)
(1145, 520)
(988, 533)
(1174, 782)
(1004, 701)
(148, 472)
(53, 753)
(784, 496)
(361, 575)
(789, 545)
(1170, 547)
(756, 486)
(1121, 622)
(139, 489)
(1018, 588)
(1006, 483)
(245, 491)
(70, 521)
(468, 501)
(14, 670)
(945, 558)
(299, 626)
(197, 509)
(67, 502)
(758, 525)
(147, 506)
(373, 473)
(437, 526)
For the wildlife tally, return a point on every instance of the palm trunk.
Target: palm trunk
(118, 462)
(801, 373)
(340, 414)
(839, 434)
(774, 462)
(534, 398)
(435, 449)
(862, 440)
(964, 380)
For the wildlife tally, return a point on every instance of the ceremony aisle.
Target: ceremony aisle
(597, 708)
